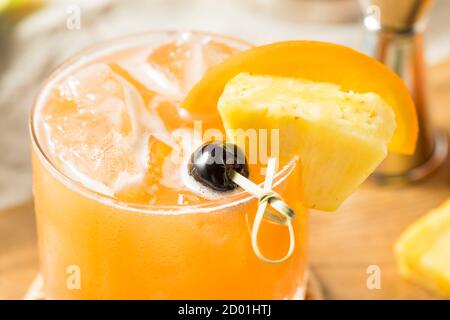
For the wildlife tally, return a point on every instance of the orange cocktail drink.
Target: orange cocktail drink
(116, 215)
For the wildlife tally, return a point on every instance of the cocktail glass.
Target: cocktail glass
(96, 245)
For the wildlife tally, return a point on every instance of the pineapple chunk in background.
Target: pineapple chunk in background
(340, 137)
(423, 250)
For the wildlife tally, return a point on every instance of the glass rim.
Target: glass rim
(89, 54)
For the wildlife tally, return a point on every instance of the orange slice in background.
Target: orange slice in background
(320, 62)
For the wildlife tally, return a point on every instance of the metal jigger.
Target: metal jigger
(395, 37)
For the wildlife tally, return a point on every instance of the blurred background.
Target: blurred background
(36, 36)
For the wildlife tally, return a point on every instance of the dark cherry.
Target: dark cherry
(212, 163)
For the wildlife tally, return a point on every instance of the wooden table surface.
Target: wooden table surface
(343, 244)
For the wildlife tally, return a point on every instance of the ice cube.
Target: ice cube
(95, 124)
(171, 69)
(216, 52)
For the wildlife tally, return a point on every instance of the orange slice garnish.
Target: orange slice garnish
(321, 62)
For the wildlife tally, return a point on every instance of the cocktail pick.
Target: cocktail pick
(222, 167)
(266, 196)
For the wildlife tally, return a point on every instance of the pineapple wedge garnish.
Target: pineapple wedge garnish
(340, 137)
(423, 250)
